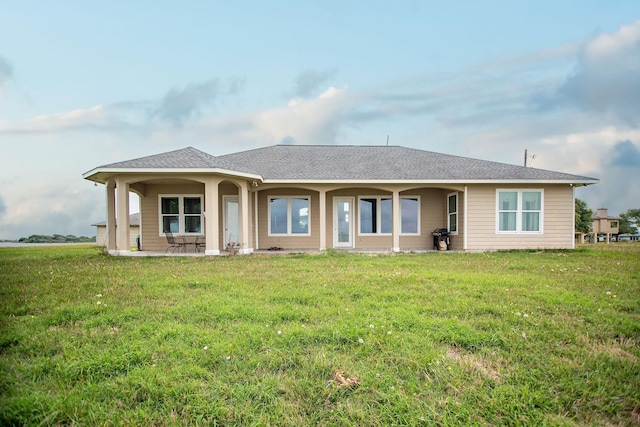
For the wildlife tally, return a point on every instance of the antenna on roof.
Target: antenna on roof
(533, 157)
(387, 140)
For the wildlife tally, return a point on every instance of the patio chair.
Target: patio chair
(175, 243)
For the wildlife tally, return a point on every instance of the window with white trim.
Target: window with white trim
(452, 213)
(410, 213)
(376, 215)
(180, 214)
(289, 215)
(519, 211)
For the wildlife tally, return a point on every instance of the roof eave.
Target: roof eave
(575, 183)
(98, 174)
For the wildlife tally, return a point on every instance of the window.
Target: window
(181, 214)
(614, 224)
(410, 211)
(289, 215)
(376, 215)
(519, 211)
(452, 213)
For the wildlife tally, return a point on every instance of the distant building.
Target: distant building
(604, 226)
(628, 237)
(134, 231)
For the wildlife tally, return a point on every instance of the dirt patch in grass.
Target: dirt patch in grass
(486, 367)
(616, 348)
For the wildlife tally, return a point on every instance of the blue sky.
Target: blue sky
(88, 83)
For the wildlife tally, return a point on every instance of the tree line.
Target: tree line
(56, 238)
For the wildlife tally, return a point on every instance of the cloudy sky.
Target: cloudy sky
(84, 84)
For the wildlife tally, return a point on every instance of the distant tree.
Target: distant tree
(629, 221)
(584, 217)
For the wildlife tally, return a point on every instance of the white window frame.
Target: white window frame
(181, 214)
(378, 215)
(289, 215)
(406, 196)
(454, 194)
(519, 211)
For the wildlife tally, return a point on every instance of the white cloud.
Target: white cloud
(315, 121)
(53, 123)
(613, 45)
(304, 121)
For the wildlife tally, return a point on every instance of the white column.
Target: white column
(244, 217)
(397, 221)
(211, 220)
(110, 186)
(464, 215)
(122, 217)
(322, 207)
(256, 240)
(573, 217)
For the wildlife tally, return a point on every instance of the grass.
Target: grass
(507, 338)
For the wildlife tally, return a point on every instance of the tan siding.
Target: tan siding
(101, 235)
(311, 241)
(557, 227)
(432, 216)
(149, 212)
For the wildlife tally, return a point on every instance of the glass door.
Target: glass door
(230, 220)
(343, 222)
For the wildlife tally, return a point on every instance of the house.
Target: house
(134, 231)
(604, 226)
(628, 237)
(316, 197)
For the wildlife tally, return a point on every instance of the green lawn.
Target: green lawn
(506, 338)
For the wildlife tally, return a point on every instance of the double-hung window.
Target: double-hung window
(181, 214)
(519, 211)
(289, 215)
(376, 215)
(452, 213)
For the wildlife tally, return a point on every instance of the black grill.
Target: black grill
(440, 235)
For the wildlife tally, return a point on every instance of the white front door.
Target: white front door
(343, 222)
(230, 220)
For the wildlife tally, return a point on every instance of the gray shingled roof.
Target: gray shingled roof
(134, 221)
(344, 163)
(341, 162)
(186, 158)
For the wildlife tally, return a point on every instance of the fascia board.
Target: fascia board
(430, 181)
(169, 171)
